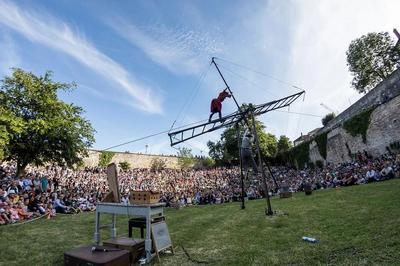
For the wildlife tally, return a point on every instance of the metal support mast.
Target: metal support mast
(268, 210)
(240, 164)
(235, 118)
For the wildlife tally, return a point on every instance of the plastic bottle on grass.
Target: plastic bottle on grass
(309, 239)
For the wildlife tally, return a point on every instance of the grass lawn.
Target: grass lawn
(357, 225)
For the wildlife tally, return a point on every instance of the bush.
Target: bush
(185, 158)
(105, 158)
(358, 124)
(300, 154)
(328, 118)
(125, 166)
(321, 141)
(157, 164)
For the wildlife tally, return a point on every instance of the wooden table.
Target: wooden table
(143, 210)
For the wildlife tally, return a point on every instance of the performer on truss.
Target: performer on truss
(246, 152)
(216, 104)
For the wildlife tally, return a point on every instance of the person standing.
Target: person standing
(216, 104)
(246, 151)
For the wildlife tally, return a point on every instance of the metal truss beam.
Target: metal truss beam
(185, 134)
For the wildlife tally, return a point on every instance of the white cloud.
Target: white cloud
(57, 35)
(179, 50)
(8, 55)
(323, 31)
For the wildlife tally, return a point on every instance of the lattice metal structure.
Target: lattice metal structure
(182, 135)
(235, 118)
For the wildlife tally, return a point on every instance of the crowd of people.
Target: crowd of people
(47, 191)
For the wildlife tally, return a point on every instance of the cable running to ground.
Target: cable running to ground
(192, 95)
(150, 136)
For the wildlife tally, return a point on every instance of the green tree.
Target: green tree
(207, 162)
(185, 158)
(41, 128)
(325, 120)
(225, 151)
(105, 158)
(125, 166)
(158, 164)
(371, 59)
(284, 144)
(9, 126)
(204, 162)
(216, 151)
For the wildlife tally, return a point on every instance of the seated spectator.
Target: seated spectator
(59, 205)
(371, 176)
(387, 172)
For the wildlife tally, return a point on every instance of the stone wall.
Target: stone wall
(383, 130)
(314, 152)
(383, 92)
(136, 160)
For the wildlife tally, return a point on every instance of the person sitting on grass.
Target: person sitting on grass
(59, 205)
(371, 175)
(2, 220)
(4, 217)
(35, 205)
(22, 213)
(51, 212)
(387, 172)
(14, 213)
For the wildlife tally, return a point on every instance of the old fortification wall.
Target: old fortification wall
(383, 92)
(383, 129)
(136, 160)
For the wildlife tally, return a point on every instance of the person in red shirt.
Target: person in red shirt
(216, 104)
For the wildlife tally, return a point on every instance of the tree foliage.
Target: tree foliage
(185, 158)
(300, 155)
(204, 163)
(284, 144)
(325, 120)
(322, 142)
(157, 164)
(207, 162)
(225, 151)
(359, 124)
(217, 152)
(9, 126)
(371, 59)
(105, 158)
(125, 166)
(36, 126)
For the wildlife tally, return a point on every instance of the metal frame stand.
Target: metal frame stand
(235, 118)
(268, 209)
(240, 163)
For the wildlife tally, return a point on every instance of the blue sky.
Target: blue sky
(138, 63)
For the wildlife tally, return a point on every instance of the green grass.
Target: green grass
(358, 225)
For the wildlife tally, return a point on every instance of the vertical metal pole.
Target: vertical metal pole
(240, 164)
(226, 84)
(268, 210)
(272, 175)
(147, 242)
(113, 226)
(97, 228)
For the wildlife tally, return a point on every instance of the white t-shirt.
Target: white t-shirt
(371, 174)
